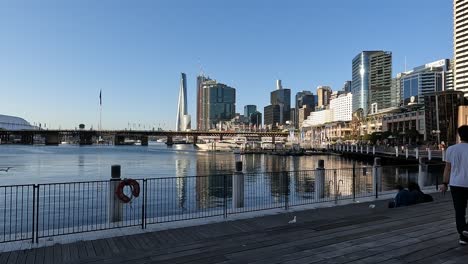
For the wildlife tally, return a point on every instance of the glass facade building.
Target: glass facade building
(304, 98)
(249, 109)
(282, 98)
(219, 104)
(272, 115)
(372, 79)
(200, 80)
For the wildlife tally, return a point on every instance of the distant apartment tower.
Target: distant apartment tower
(249, 109)
(323, 95)
(372, 81)
(304, 98)
(183, 119)
(460, 45)
(200, 80)
(218, 104)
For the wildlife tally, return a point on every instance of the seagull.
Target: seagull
(292, 221)
(6, 170)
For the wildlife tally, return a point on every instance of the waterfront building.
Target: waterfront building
(303, 98)
(424, 80)
(183, 119)
(371, 83)
(323, 95)
(249, 109)
(218, 104)
(14, 123)
(442, 115)
(460, 45)
(341, 106)
(409, 126)
(318, 118)
(200, 80)
(281, 97)
(272, 116)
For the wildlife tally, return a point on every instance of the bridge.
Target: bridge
(88, 137)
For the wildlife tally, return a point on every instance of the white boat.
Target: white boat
(217, 146)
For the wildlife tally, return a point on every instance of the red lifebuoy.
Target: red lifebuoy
(134, 186)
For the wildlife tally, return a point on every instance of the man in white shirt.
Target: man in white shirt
(456, 174)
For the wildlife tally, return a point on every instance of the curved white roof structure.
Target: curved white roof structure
(14, 123)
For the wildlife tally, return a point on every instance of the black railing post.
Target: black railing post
(143, 206)
(354, 181)
(33, 214)
(286, 190)
(225, 195)
(37, 212)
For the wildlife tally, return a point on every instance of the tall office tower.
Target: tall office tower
(449, 76)
(304, 98)
(200, 80)
(282, 98)
(372, 80)
(395, 91)
(272, 115)
(347, 87)
(249, 109)
(323, 94)
(460, 44)
(218, 104)
(423, 80)
(255, 119)
(183, 119)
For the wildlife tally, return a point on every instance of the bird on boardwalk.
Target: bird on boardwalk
(6, 169)
(292, 221)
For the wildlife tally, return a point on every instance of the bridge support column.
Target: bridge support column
(221, 137)
(320, 180)
(396, 151)
(169, 141)
(367, 149)
(27, 139)
(86, 138)
(144, 140)
(416, 153)
(195, 140)
(373, 150)
(406, 153)
(119, 140)
(429, 154)
(52, 139)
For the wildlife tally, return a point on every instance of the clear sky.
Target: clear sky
(55, 56)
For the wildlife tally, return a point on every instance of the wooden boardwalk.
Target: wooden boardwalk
(355, 233)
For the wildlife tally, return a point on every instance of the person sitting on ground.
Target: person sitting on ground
(403, 198)
(417, 196)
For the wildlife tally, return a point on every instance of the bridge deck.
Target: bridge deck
(346, 234)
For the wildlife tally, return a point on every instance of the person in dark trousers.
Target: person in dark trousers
(456, 175)
(403, 198)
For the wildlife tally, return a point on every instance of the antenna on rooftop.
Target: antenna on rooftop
(202, 73)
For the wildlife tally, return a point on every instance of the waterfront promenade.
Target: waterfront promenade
(353, 233)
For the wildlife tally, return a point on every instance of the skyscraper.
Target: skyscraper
(200, 80)
(282, 98)
(218, 104)
(460, 45)
(372, 81)
(347, 87)
(249, 109)
(304, 98)
(183, 119)
(323, 94)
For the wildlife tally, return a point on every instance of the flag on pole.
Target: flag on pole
(100, 97)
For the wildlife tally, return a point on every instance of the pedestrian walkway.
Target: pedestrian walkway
(354, 233)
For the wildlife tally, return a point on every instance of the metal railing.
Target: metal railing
(30, 212)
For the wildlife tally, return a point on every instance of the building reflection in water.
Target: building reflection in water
(182, 166)
(211, 170)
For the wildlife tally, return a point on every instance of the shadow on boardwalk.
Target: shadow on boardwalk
(355, 233)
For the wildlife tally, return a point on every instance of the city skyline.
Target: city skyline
(135, 65)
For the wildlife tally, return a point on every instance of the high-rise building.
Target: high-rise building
(255, 119)
(218, 104)
(323, 94)
(183, 119)
(249, 109)
(302, 115)
(347, 87)
(396, 91)
(304, 98)
(460, 45)
(282, 98)
(200, 80)
(372, 80)
(424, 80)
(341, 107)
(272, 115)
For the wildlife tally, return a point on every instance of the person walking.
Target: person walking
(456, 175)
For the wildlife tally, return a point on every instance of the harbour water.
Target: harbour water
(70, 163)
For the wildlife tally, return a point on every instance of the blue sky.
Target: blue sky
(55, 56)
